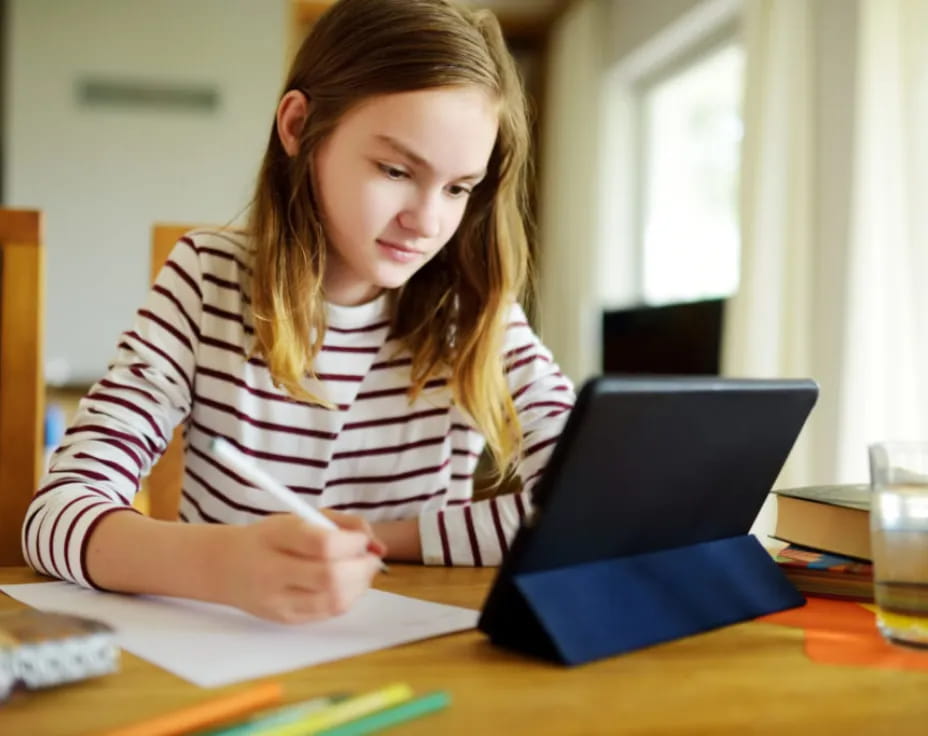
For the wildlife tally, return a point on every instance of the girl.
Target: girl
(361, 341)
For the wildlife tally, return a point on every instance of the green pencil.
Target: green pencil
(392, 716)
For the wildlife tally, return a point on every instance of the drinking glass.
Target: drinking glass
(899, 540)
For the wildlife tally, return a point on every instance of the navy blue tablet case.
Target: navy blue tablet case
(640, 532)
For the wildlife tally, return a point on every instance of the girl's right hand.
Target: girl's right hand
(283, 569)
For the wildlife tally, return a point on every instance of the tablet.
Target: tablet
(647, 464)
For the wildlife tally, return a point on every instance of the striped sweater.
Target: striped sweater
(186, 359)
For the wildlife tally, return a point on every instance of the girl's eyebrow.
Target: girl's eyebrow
(406, 152)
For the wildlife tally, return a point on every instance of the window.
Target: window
(691, 128)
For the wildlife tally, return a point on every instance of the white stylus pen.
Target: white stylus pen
(257, 477)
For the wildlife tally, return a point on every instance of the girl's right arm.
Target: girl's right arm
(81, 526)
(279, 568)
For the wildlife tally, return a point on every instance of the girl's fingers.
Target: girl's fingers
(295, 536)
(351, 522)
(320, 576)
(329, 590)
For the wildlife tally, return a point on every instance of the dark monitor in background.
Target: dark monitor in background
(677, 339)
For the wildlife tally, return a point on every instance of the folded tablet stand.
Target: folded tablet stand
(588, 611)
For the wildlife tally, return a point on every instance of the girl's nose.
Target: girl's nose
(422, 217)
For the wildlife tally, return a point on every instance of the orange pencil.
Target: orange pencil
(211, 713)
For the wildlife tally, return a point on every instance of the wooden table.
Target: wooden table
(748, 678)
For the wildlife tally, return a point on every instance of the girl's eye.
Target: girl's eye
(392, 172)
(456, 190)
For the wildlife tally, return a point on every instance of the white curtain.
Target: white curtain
(767, 323)
(569, 304)
(885, 393)
(835, 223)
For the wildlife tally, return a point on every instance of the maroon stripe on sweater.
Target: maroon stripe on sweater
(472, 536)
(461, 476)
(86, 541)
(132, 389)
(321, 376)
(199, 509)
(141, 369)
(258, 453)
(386, 503)
(555, 404)
(210, 460)
(51, 537)
(369, 328)
(397, 363)
(222, 283)
(134, 479)
(383, 393)
(527, 386)
(393, 478)
(525, 361)
(512, 325)
(443, 534)
(468, 453)
(125, 449)
(357, 351)
(403, 419)
(520, 506)
(185, 277)
(389, 450)
(228, 347)
(270, 426)
(162, 354)
(109, 432)
(219, 496)
(27, 533)
(126, 404)
(229, 317)
(498, 526)
(216, 253)
(538, 446)
(515, 351)
(52, 486)
(38, 548)
(89, 474)
(222, 235)
(458, 427)
(260, 393)
(158, 289)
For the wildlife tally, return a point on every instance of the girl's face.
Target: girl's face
(393, 181)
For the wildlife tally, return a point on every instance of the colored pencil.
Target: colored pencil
(277, 717)
(392, 716)
(347, 710)
(208, 713)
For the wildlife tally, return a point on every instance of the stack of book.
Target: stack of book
(827, 529)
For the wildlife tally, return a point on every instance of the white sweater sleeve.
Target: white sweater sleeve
(480, 533)
(123, 425)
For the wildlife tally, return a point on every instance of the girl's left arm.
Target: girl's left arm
(480, 533)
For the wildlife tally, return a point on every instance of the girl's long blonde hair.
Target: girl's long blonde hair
(451, 315)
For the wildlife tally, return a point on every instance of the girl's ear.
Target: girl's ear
(291, 118)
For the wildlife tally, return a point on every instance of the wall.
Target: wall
(103, 175)
(634, 23)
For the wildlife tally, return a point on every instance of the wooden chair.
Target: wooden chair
(167, 476)
(22, 386)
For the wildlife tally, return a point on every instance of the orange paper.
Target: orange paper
(844, 632)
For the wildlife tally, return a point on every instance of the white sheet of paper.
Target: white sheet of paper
(212, 645)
